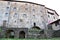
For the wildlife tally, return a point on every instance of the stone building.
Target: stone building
(52, 15)
(55, 27)
(21, 19)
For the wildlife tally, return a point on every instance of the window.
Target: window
(21, 20)
(4, 23)
(51, 13)
(15, 15)
(14, 7)
(26, 8)
(34, 16)
(34, 24)
(41, 11)
(15, 21)
(24, 15)
(6, 14)
(7, 7)
(33, 10)
(41, 16)
(54, 17)
(57, 23)
(8, 3)
(48, 16)
(26, 4)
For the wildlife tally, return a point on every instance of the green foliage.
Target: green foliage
(34, 30)
(0, 29)
(30, 39)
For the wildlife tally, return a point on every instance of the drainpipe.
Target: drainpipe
(9, 14)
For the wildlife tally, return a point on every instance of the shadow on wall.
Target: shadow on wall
(56, 33)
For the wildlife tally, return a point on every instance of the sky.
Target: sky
(52, 4)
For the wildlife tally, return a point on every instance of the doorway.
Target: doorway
(9, 34)
(21, 34)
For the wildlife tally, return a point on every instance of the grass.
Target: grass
(29, 39)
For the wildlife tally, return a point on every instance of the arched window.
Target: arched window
(10, 34)
(34, 30)
(36, 27)
(34, 24)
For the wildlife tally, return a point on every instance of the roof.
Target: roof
(55, 21)
(28, 2)
(51, 10)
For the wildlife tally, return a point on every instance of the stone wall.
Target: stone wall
(16, 32)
